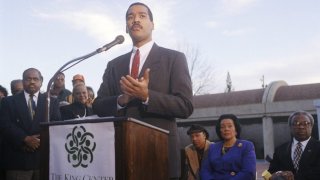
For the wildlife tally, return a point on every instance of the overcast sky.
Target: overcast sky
(277, 39)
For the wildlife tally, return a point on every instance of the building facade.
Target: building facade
(263, 113)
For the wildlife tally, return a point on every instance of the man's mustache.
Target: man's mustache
(135, 26)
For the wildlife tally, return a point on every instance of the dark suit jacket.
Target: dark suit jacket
(309, 165)
(16, 124)
(170, 95)
(72, 110)
(239, 163)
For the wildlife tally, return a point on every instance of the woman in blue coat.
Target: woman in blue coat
(231, 158)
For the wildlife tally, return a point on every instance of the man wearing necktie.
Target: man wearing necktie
(21, 115)
(298, 159)
(156, 89)
(32, 106)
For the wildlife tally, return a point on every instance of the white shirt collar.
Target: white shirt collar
(304, 143)
(35, 96)
(144, 52)
(145, 48)
(294, 145)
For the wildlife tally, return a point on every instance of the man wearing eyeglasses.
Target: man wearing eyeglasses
(20, 118)
(298, 159)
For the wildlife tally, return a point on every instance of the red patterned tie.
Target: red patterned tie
(135, 65)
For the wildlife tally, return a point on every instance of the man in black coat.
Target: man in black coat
(287, 161)
(20, 123)
(160, 92)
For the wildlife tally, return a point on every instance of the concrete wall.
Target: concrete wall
(251, 117)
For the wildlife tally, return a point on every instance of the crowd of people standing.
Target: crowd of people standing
(21, 114)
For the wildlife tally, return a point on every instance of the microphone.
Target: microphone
(119, 40)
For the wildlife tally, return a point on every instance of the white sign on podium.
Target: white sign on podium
(82, 151)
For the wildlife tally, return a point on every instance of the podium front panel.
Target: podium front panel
(141, 149)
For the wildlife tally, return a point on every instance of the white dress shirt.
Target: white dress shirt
(294, 145)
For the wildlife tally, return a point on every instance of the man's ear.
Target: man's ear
(127, 31)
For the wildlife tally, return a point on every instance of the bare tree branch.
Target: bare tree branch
(201, 72)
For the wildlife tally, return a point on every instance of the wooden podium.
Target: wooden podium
(141, 149)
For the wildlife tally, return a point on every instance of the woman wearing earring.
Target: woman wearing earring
(230, 158)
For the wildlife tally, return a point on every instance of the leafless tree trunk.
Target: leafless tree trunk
(201, 70)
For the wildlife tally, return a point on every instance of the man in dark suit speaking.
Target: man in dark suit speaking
(298, 159)
(150, 83)
(20, 116)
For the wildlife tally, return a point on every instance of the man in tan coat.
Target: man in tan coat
(196, 152)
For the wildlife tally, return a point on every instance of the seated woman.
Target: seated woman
(78, 109)
(230, 158)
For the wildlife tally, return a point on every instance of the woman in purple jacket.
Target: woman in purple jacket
(231, 158)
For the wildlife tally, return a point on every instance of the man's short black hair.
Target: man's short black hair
(24, 74)
(139, 3)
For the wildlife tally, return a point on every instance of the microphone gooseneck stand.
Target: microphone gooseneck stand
(119, 39)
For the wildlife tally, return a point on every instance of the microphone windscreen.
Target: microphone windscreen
(120, 39)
